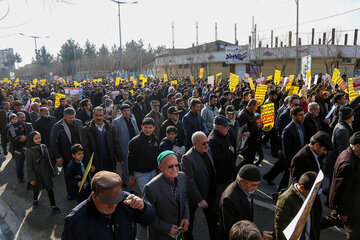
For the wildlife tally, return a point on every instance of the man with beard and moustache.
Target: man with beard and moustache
(156, 116)
(312, 123)
(209, 112)
(98, 137)
(85, 115)
(171, 102)
(180, 104)
(245, 100)
(44, 125)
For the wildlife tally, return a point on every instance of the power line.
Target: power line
(314, 20)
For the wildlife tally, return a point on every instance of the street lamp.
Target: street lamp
(297, 37)
(34, 37)
(121, 54)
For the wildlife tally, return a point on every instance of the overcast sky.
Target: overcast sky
(150, 20)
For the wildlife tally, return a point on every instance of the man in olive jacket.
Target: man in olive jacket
(289, 204)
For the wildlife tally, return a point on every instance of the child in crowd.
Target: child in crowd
(170, 142)
(40, 170)
(75, 171)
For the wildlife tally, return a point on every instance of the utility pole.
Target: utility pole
(121, 50)
(297, 37)
(215, 31)
(197, 33)
(236, 41)
(173, 35)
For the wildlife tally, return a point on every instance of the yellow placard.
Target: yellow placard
(173, 82)
(353, 94)
(277, 77)
(293, 90)
(217, 78)
(117, 81)
(32, 86)
(267, 116)
(350, 85)
(43, 82)
(32, 99)
(308, 75)
(87, 170)
(234, 80)
(289, 83)
(144, 80)
(335, 76)
(17, 80)
(57, 99)
(132, 79)
(269, 77)
(251, 83)
(165, 78)
(35, 81)
(260, 93)
(201, 74)
(141, 76)
(341, 83)
(192, 79)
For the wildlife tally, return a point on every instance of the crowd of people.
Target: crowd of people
(181, 148)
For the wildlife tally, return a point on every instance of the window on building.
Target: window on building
(225, 65)
(186, 66)
(346, 60)
(180, 66)
(203, 65)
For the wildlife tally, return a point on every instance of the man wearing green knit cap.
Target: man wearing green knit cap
(167, 193)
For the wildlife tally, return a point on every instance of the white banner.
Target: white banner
(236, 54)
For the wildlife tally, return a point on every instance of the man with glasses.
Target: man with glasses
(167, 193)
(109, 213)
(198, 165)
(44, 125)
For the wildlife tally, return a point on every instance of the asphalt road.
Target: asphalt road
(41, 223)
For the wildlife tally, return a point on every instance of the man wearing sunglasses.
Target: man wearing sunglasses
(109, 213)
(167, 192)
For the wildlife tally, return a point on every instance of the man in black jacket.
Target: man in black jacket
(222, 152)
(98, 137)
(143, 151)
(171, 102)
(85, 115)
(311, 121)
(246, 116)
(59, 111)
(44, 125)
(139, 110)
(173, 120)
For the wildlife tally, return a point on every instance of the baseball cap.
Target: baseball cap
(222, 120)
(230, 109)
(11, 115)
(172, 110)
(105, 180)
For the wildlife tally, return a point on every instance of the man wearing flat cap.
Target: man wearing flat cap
(167, 193)
(344, 196)
(109, 213)
(236, 202)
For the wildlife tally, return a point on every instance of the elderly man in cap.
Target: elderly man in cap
(109, 213)
(173, 120)
(223, 153)
(156, 116)
(167, 192)
(236, 202)
(344, 194)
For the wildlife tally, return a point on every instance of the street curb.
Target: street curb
(18, 228)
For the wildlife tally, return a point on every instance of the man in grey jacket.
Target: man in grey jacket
(209, 112)
(167, 193)
(125, 128)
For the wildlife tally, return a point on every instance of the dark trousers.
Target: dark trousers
(272, 136)
(248, 155)
(19, 158)
(352, 228)
(50, 194)
(210, 214)
(4, 142)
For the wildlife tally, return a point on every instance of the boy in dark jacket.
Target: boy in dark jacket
(74, 174)
(170, 142)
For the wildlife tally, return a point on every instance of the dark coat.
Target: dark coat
(74, 175)
(180, 130)
(245, 117)
(353, 104)
(311, 125)
(96, 99)
(234, 207)
(142, 154)
(224, 158)
(44, 126)
(284, 120)
(14, 132)
(166, 144)
(60, 139)
(291, 142)
(344, 195)
(191, 123)
(59, 112)
(287, 206)
(85, 222)
(139, 113)
(84, 117)
(39, 167)
(91, 143)
(198, 177)
(3, 123)
(164, 110)
(168, 211)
